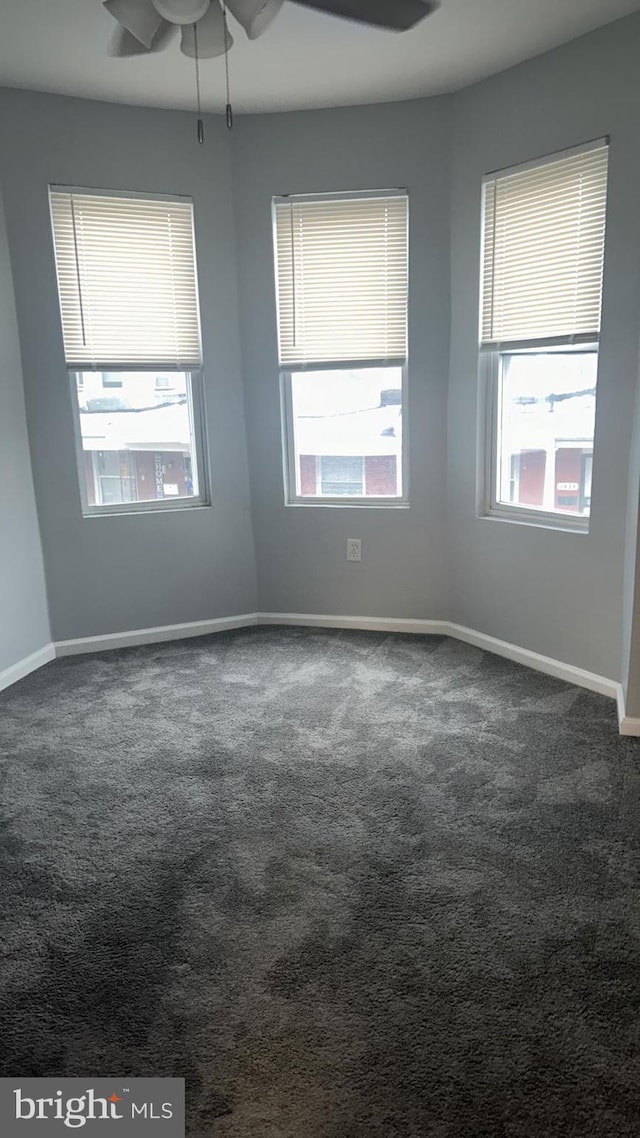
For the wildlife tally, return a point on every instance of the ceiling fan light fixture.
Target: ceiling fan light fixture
(182, 11)
(211, 35)
(254, 15)
(138, 17)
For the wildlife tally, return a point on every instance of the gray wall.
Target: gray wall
(301, 550)
(24, 621)
(559, 594)
(116, 573)
(556, 593)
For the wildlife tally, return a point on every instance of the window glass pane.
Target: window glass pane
(137, 437)
(347, 433)
(546, 420)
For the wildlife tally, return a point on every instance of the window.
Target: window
(135, 450)
(130, 320)
(346, 420)
(543, 252)
(341, 284)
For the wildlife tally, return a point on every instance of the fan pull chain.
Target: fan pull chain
(226, 65)
(197, 59)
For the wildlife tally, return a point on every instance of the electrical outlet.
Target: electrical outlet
(354, 549)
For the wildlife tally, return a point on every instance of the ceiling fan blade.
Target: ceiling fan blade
(254, 15)
(181, 11)
(164, 36)
(138, 17)
(123, 45)
(211, 31)
(396, 15)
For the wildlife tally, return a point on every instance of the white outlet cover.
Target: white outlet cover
(354, 549)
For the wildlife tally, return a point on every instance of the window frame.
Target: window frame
(193, 371)
(286, 371)
(344, 501)
(488, 504)
(490, 373)
(197, 422)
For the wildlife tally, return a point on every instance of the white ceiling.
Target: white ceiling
(304, 59)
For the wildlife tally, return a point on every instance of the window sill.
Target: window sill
(349, 504)
(532, 519)
(115, 512)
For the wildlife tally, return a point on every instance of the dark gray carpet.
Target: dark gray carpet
(349, 885)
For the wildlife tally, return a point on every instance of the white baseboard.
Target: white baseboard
(568, 672)
(629, 726)
(525, 656)
(546, 664)
(152, 635)
(24, 667)
(366, 623)
(626, 723)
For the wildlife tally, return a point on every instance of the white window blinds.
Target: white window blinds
(543, 247)
(127, 280)
(342, 279)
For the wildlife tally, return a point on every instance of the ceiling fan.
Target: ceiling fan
(148, 25)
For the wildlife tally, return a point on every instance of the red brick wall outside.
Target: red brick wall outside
(380, 477)
(307, 474)
(567, 476)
